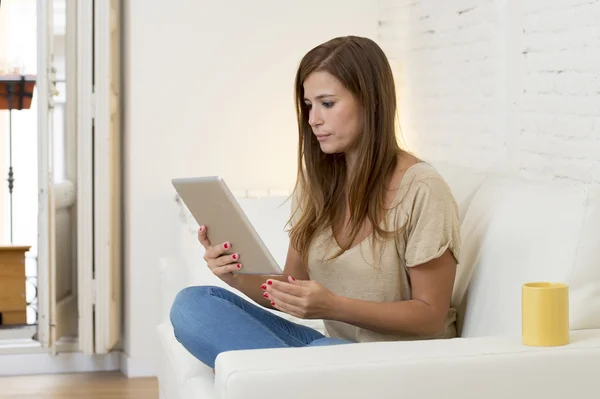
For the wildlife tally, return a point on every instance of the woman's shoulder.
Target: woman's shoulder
(422, 171)
(429, 212)
(422, 180)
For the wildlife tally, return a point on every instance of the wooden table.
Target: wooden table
(13, 304)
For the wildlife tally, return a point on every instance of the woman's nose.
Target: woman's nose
(314, 118)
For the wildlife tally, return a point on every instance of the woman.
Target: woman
(374, 237)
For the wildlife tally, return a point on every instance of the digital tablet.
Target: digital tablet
(213, 205)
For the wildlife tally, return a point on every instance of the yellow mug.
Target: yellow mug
(545, 314)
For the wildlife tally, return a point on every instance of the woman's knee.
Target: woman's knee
(188, 303)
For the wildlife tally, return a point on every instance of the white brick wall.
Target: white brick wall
(498, 84)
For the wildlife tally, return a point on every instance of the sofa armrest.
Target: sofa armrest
(484, 367)
(173, 277)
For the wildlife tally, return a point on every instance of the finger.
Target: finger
(222, 270)
(289, 309)
(293, 281)
(203, 237)
(217, 250)
(288, 288)
(280, 296)
(227, 259)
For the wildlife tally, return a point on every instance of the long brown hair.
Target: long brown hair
(363, 69)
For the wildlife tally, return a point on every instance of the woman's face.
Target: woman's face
(334, 113)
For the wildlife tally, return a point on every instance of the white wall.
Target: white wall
(208, 90)
(500, 84)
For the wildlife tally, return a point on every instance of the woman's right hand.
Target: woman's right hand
(221, 265)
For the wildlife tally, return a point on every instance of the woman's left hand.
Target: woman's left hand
(305, 299)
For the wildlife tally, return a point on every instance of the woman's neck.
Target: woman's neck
(351, 159)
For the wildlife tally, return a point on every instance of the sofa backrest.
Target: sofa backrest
(512, 230)
(516, 231)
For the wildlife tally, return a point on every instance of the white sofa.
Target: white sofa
(513, 231)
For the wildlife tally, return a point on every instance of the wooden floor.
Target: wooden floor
(107, 385)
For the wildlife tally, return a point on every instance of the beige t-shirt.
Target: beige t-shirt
(425, 204)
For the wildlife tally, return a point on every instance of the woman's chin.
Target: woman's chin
(329, 149)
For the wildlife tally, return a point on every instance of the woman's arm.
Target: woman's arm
(432, 283)
(425, 314)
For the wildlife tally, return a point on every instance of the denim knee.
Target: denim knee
(189, 302)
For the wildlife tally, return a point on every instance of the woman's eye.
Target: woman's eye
(308, 106)
(327, 104)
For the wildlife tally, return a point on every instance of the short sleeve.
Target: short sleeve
(433, 225)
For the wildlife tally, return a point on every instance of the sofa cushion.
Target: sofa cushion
(517, 231)
(199, 388)
(173, 276)
(463, 183)
(184, 364)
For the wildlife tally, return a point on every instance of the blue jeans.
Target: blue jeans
(209, 320)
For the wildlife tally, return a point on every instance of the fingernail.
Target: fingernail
(234, 256)
(226, 245)
(239, 266)
(269, 282)
(272, 303)
(293, 279)
(201, 228)
(264, 287)
(266, 295)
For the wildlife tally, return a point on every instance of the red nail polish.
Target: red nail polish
(239, 266)
(234, 256)
(264, 287)
(269, 282)
(293, 279)
(226, 246)
(266, 295)
(272, 303)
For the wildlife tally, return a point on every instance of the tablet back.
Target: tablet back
(212, 204)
